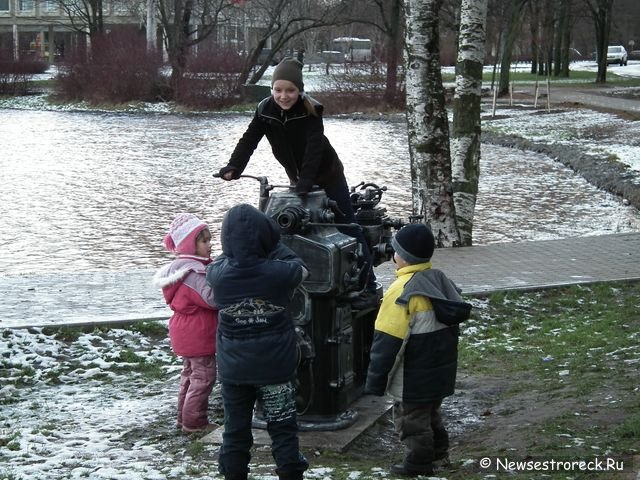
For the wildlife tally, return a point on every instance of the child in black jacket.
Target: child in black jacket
(254, 280)
(292, 122)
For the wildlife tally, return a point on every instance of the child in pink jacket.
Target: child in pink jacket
(193, 325)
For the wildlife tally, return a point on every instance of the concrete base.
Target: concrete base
(369, 409)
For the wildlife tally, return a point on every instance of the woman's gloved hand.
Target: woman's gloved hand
(229, 173)
(303, 186)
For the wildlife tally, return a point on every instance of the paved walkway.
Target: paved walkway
(528, 265)
(595, 97)
(115, 297)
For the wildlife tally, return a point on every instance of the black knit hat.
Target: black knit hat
(289, 69)
(414, 243)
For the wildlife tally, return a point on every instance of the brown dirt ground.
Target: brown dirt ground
(505, 415)
(512, 419)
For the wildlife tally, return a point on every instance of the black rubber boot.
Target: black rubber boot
(404, 470)
(236, 476)
(295, 475)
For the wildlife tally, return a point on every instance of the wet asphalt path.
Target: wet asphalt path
(592, 97)
(116, 297)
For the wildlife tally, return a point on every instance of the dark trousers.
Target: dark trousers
(339, 193)
(279, 411)
(422, 432)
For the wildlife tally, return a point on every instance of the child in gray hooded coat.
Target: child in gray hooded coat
(415, 349)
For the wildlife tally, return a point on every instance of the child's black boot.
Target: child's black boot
(405, 470)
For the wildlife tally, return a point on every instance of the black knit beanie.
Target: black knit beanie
(414, 243)
(289, 69)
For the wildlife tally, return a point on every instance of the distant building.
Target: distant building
(40, 29)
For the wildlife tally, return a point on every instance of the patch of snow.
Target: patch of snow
(600, 133)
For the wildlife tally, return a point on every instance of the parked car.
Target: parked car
(634, 55)
(616, 54)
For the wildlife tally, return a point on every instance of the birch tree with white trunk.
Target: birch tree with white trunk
(427, 123)
(465, 138)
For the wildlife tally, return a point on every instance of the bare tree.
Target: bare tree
(512, 17)
(392, 28)
(548, 33)
(550, 23)
(427, 123)
(186, 23)
(394, 49)
(565, 23)
(386, 17)
(561, 38)
(86, 17)
(559, 13)
(533, 14)
(282, 21)
(600, 11)
(465, 140)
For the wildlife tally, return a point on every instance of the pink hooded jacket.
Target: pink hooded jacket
(193, 325)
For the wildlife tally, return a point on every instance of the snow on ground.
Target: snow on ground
(596, 132)
(66, 404)
(101, 405)
(632, 69)
(315, 74)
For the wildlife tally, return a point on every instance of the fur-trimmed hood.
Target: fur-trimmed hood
(178, 270)
(193, 325)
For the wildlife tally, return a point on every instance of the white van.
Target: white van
(354, 49)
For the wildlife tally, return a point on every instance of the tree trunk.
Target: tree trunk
(505, 62)
(565, 33)
(394, 41)
(427, 123)
(465, 143)
(178, 55)
(548, 34)
(252, 58)
(512, 14)
(557, 38)
(601, 14)
(534, 23)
